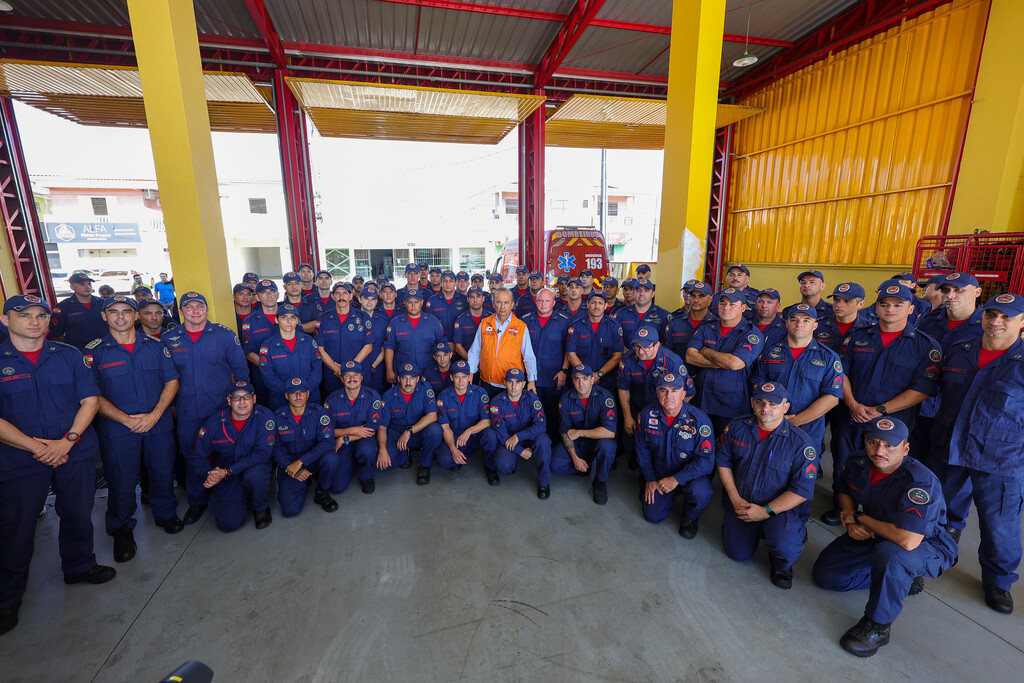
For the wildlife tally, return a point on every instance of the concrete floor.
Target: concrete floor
(459, 581)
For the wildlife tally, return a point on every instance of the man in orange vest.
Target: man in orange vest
(502, 343)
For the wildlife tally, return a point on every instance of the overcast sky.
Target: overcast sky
(396, 177)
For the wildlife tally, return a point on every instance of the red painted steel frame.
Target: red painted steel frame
(531, 191)
(298, 187)
(265, 26)
(719, 210)
(24, 233)
(572, 28)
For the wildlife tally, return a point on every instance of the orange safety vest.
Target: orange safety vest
(495, 358)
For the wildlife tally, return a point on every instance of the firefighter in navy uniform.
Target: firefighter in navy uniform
(676, 454)
(237, 443)
(48, 397)
(586, 423)
(356, 410)
(209, 361)
(519, 423)
(304, 450)
(78, 319)
(548, 332)
(408, 419)
(768, 468)
(977, 439)
(462, 412)
(894, 512)
(138, 383)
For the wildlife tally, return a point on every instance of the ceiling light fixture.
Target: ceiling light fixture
(747, 59)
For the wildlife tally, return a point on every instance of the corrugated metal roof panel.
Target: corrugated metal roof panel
(609, 49)
(113, 13)
(225, 18)
(782, 19)
(349, 23)
(484, 36)
(657, 12)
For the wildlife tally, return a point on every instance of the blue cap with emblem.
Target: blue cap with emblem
(536, 274)
(120, 299)
(581, 369)
(732, 294)
(522, 269)
(959, 280)
(295, 384)
(775, 392)
(805, 309)
(673, 380)
(643, 282)
(462, 275)
(291, 276)
(701, 288)
(597, 294)
(461, 367)
(368, 293)
(436, 270)
(287, 309)
(495, 277)
(381, 278)
(387, 285)
(355, 278)
(474, 290)
(350, 366)
(241, 387)
(646, 336)
(1010, 304)
(250, 276)
(191, 296)
(893, 289)
(143, 289)
(79, 278)
(643, 268)
(515, 374)
(575, 281)
(414, 294)
(815, 273)
(588, 273)
(447, 273)
(347, 286)
(561, 278)
(328, 274)
(738, 266)
(933, 280)
(442, 347)
(20, 302)
(887, 428)
(629, 282)
(610, 281)
(304, 265)
(411, 268)
(408, 370)
(476, 277)
(772, 292)
(847, 291)
(266, 285)
(241, 287)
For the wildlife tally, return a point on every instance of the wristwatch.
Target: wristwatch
(771, 513)
(346, 439)
(600, 374)
(229, 472)
(858, 514)
(73, 437)
(409, 429)
(882, 410)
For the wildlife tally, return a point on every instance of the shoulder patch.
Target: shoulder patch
(536, 405)
(570, 329)
(837, 366)
(753, 339)
(202, 430)
(325, 420)
(167, 352)
(484, 398)
(378, 404)
(934, 355)
(430, 393)
(87, 358)
(918, 496)
(270, 424)
(704, 430)
(809, 453)
(609, 402)
(93, 344)
(237, 342)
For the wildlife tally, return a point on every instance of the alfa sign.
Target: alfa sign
(102, 233)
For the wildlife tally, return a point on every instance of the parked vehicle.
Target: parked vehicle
(568, 251)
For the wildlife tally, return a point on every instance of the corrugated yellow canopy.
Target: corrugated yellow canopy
(112, 96)
(621, 122)
(394, 112)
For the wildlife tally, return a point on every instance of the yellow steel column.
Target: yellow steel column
(990, 185)
(694, 66)
(167, 49)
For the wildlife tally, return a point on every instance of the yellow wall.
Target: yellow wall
(853, 159)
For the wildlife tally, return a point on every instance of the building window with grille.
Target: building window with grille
(364, 264)
(338, 263)
(613, 208)
(472, 260)
(435, 258)
(257, 205)
(99, 206)
(511, 205)
(586, 203)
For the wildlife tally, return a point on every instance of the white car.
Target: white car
(120, 280)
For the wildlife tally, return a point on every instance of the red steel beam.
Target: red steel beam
(267, 31)
(298, 186)
(531, 191)
(853, 26)
(572, 28)
(496, 10)
(18, 209)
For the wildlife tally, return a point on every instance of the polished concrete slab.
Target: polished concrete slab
(459, 581)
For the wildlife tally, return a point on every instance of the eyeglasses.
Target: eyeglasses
(239, 399)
